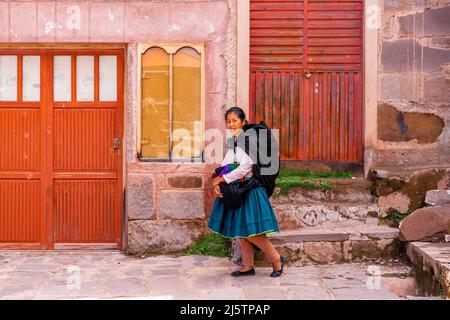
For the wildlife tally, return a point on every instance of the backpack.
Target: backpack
(264, 153)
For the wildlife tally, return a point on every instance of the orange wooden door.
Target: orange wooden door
(61, 156)
(306, 76)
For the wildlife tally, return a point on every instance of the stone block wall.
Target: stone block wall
(168, 205)
(414, 83)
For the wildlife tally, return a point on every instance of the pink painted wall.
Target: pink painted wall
(130, 23)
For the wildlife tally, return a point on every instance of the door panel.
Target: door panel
(83, 211)
(20, 207)
(306, 76)
(84, 140)
(331, 117)
(280, 97)
(20, 139)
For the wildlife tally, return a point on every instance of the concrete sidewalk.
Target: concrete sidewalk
(113, 275)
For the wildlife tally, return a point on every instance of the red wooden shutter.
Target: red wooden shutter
(276, 33)
(319, 115)
(334, 35)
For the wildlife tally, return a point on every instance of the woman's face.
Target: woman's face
(234, 123)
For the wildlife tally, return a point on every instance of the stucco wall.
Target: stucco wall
(166, 203)
(414, 83)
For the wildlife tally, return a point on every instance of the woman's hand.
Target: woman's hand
(217, 191)
(217, 180)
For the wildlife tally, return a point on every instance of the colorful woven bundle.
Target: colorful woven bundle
(226, 169)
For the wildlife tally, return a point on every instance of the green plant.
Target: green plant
(289, 179)
(373, 189)
(397, 217)
(338, 174)
(211, 245)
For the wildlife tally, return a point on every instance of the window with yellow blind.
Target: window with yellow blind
(172, 102)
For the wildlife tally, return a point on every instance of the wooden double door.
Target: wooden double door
(306, 75)
(61, 128)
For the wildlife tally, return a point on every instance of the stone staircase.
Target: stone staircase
(333, 226)
(349, 204)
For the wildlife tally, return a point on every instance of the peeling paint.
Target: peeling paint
(111, 15)
(210, 27)
(218, 39)
(174, 27)
(49, 27)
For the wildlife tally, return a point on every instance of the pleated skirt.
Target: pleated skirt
(254, 217)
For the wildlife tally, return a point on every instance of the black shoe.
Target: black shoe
(277, 273)
(238, 273)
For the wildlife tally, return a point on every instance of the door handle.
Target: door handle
(307, 74)
(116, 143)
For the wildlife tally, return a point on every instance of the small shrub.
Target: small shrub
(289, 179)
(211, 245)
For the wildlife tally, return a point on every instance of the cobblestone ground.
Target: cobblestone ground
(113, 275)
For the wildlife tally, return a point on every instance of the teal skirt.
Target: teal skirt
(255, 216)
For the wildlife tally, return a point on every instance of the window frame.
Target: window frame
(171, 49)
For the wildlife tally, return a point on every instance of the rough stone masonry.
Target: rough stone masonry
(414, 82)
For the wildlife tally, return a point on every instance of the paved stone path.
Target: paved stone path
(113, 275)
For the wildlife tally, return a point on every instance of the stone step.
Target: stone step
(406, 172)
(432, 265)
(307, 246)
(336, 234)
(357, 190)
(292, 215)
(424, 298)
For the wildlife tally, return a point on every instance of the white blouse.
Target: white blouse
(245, 165)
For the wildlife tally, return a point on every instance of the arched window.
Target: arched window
(171, 103)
